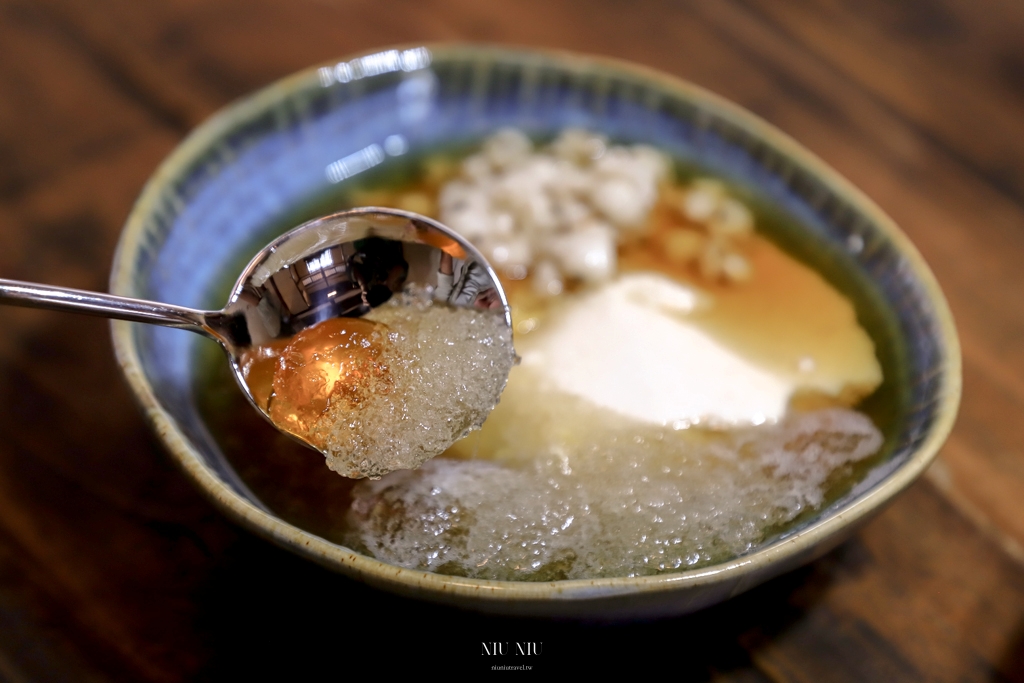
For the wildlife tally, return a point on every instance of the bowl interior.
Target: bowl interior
(291, 152)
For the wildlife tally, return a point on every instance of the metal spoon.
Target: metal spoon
(342, 265)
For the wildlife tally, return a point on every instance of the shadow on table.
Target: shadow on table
(274, 613)
(1011, 664)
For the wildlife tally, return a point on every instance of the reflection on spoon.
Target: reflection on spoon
(376, 336)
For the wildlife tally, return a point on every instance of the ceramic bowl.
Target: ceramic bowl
(255, 164)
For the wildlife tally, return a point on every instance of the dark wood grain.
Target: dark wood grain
(112, 567)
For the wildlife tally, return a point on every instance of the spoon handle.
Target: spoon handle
(32, 295)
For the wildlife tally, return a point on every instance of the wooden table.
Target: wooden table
(112, 567)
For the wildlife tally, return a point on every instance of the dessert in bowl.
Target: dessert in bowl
(403, 126)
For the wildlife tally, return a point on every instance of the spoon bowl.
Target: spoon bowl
(339, 266)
